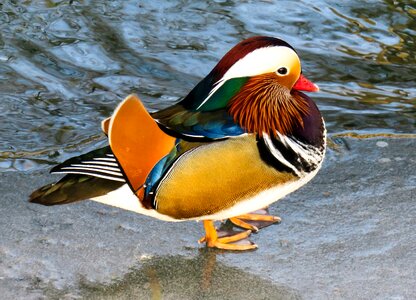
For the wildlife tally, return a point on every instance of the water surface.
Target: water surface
(64, 65)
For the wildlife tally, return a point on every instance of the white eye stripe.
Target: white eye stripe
(260, 61)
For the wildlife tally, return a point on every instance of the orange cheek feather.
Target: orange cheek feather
(265, 106)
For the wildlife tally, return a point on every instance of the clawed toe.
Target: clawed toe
(234, 241)
(255, 220)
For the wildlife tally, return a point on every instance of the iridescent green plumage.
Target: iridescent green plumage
(221, 97)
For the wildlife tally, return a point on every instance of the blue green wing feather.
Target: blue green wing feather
(183, 123)
(203, 113)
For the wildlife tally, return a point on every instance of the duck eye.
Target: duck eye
(282, 71)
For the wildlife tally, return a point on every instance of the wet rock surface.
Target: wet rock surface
(349, 234)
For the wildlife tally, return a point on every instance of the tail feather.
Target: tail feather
(73, 188)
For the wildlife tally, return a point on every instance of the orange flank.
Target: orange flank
(137, 141)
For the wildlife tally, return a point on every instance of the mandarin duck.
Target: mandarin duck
(243, 138)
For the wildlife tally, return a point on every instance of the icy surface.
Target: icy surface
(349, 234)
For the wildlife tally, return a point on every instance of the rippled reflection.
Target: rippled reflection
(177, 277)
(64, 65)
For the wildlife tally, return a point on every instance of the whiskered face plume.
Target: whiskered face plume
(266, 106)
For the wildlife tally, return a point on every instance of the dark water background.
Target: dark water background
(64, 65)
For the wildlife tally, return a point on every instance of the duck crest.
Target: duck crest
(241, 50)
(265, 106)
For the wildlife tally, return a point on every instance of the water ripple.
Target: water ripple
(64, 65)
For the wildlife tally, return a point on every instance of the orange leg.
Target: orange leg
(255, 220)
(213, 241)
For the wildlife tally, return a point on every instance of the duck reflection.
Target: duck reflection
(179, 277)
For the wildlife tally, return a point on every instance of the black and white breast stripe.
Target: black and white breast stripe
(292, 154)
(105, 166)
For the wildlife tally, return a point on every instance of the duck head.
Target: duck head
(257, 81)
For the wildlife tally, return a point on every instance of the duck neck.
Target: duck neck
(264, 105)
